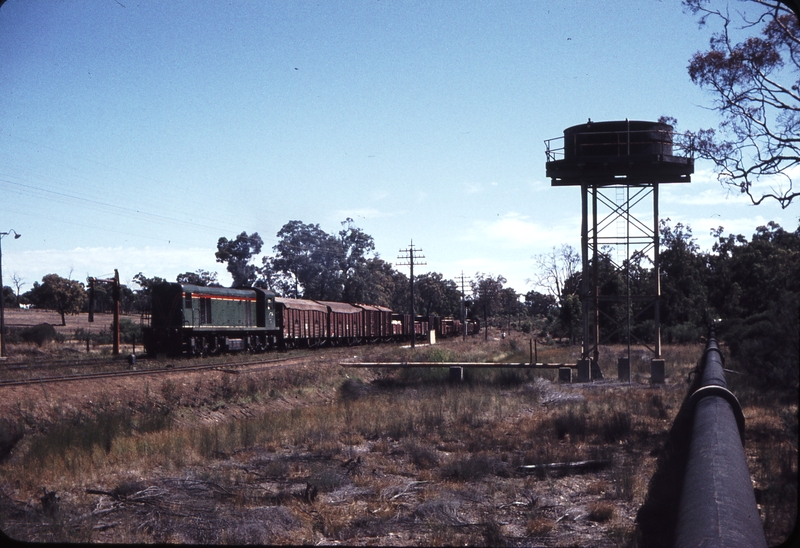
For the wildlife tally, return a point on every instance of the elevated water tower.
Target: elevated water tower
(618, 165)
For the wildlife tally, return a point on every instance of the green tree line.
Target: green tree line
(750, 288)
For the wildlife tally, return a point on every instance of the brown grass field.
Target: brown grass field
(323, 454)
(15, 317)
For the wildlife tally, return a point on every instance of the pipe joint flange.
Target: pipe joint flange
(727, 395)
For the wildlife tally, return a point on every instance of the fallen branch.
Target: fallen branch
(111, 494)
(409, 486)
(579, 466)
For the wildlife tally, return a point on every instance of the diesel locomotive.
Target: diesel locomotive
(196, 320)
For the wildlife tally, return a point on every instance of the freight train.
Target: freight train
(195, 320)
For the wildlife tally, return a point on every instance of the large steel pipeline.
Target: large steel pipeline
(717, 505)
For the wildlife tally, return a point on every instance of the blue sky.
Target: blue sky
(133, 134)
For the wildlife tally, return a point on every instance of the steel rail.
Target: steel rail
(717, 505)
(136, 372)
(55, 364)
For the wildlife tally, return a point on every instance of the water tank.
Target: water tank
(617, 152)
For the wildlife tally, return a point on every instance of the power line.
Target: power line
(412, 261)
(113, 208)
(463, 279)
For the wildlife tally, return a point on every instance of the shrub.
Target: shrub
(353, 389)
(421, 455)
(570, 423)
(470, 468)
(438, 354)
(129, 331)
(539, 527)
(601, 511)
(766, 344)
(616, 427)
(79, 433)
(10, 434)
(683, 333)
(39, 334)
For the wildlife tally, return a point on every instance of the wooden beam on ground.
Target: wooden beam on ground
(489, 365)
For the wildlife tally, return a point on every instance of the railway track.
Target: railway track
(57, 364)
(229, 366)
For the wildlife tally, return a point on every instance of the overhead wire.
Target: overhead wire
(134, 213)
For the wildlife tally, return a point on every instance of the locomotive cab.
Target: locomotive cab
(195, 319)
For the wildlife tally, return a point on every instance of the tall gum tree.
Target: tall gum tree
(752, 72)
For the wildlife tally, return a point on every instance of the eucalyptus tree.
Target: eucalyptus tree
(237, 253)
(751, 72)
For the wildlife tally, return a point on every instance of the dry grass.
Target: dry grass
(324, 454)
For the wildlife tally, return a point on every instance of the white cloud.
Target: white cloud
(717, 196)
(704, 190)
(472, 188)
(514, 231)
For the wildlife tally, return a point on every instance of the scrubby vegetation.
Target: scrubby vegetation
(319, 453)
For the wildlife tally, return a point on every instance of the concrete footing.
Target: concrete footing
(584, 370)
(657, 371)
(623, 369)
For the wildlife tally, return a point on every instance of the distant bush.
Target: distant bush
(438, 354)
(683, 333)
(38, 334)
(130, 331)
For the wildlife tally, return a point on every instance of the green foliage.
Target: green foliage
(436, 296)
(684, 278)
(237, 253)
(202, 278)
(130, 331)
(141, 298)
(59, 294)
(766, 344)
(753, 85)
(684, 333)
(38, 334)
(538, 304)
(313, 264)
(570, 316)
(9, 297)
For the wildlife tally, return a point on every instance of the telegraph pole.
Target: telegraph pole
(463, 280)
(115, 295)
(411, 255)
